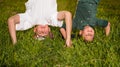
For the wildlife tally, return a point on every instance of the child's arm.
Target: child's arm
(68, 20)
(12, 21)
(107, 29)
(105, 24)
(63, 32)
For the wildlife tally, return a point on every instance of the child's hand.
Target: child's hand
(107, 29)
(68, 43)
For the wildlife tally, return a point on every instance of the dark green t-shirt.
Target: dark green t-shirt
(86, 15)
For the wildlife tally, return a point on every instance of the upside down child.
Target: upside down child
(40, 13)
(85, 20)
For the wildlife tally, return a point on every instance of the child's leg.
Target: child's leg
(12, 21)
(68, 20)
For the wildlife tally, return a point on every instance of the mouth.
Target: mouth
(39, 37)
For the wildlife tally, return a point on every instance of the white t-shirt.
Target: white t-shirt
(41, 10)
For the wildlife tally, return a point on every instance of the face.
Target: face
(88, 33)
(42, 30)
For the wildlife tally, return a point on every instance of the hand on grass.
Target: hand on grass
(68, 43)
(107, 29)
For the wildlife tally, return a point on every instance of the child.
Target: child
(85, 19)
(41, 13)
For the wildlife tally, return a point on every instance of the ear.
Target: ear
(80, 32)
(35, 29)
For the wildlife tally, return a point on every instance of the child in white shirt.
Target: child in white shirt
(41, 13)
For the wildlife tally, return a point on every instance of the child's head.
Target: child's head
(87, 33)
(42, 30)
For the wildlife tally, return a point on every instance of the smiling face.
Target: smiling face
(88, 33)
(42, 30)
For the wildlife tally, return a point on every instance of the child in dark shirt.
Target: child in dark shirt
(85, 19)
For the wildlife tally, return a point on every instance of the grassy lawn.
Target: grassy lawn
(102, 52)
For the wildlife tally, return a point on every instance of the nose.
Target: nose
(89, 30)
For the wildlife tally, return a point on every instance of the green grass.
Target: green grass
(102, 52)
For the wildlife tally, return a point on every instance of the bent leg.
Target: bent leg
(12, 21)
